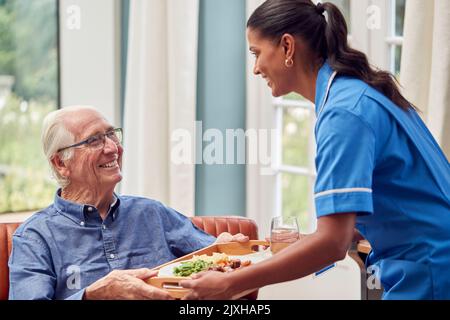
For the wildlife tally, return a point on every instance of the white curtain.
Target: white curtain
(160, 98)
(425, 71)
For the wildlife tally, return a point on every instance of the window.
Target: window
(28, 91)
(379, 31)
(294, 118)
(294, 160)
(395, 38)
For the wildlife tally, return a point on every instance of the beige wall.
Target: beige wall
(14, 217)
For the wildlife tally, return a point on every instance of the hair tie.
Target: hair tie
(319, 8)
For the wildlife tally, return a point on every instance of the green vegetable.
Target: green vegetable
(185, 269)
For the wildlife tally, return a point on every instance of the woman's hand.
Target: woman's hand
(227, 237)
(209, 285)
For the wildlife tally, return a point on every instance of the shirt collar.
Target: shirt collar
(79, 211)
(323, 77)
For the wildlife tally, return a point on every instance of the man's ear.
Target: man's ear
(60, 165)
(288, 44)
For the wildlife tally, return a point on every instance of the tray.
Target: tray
(170, 284)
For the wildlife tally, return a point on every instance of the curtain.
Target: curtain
(160, 98)
(425, 70)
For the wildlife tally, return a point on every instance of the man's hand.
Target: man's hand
(227, 237)
(125, 285)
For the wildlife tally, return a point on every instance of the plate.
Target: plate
(256, 257)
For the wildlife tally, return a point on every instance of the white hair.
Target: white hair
(56, 135)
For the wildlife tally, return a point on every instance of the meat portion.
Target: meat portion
(235, 263)
(228, 266)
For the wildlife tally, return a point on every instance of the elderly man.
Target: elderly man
(92, 243)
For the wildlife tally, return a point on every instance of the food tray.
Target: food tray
(170, 284)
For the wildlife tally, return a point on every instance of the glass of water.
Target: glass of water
(283, 232)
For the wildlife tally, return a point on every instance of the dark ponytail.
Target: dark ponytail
(326, 37)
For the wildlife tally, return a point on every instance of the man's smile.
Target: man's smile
(112, 164)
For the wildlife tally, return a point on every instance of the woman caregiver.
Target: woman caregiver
(378, 167)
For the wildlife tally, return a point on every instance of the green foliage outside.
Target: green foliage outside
(28, 47)
(25, 182)
(28, 56)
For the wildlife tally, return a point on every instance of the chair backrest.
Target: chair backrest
(6, 232)
(232, 224)
(211, 225)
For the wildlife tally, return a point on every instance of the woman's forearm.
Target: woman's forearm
(306, 256)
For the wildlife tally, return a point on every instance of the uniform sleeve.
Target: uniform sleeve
(182, 235)
(31, 273)
(344, 163)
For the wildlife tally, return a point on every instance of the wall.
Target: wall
(90, 55)
(220, 189)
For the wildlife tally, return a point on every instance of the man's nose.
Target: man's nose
(110, 146)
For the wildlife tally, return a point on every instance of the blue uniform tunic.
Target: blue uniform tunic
(381, 162)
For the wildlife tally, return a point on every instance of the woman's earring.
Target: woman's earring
(289, 63)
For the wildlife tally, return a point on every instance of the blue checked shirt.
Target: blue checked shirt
(64, 248)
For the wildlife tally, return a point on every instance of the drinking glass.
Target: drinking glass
(283, 232)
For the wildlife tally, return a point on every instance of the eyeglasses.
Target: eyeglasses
(98, 141)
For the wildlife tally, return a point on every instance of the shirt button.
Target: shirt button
(82, 223)
(112, 256)
(103, 227)
(90, 209)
